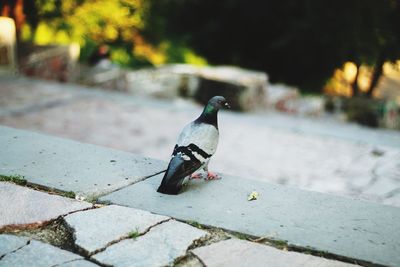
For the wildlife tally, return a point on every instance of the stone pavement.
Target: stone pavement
(316, 154)
(352, 228)
(159, 247)
(29, 208)
(92, 239)
(129, 224)
(87, 170)
(140, 227)
(35, 253)
(243, 253)
(120, 236)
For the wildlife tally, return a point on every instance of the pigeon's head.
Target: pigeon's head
(218, 102)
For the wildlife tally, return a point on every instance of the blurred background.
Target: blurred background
(314, 85)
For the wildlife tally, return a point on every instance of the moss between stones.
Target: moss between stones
(68, 194)
(281, 244)
(20, 180)
(195, 224)
(16, 179)
(93, 199)
(189, 260)
(55, 233)
(52, 191)
(134, 234)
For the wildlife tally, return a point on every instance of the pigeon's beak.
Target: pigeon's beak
(227, 105)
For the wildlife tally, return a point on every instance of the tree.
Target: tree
(374, 36)
(296, 42)
(117, 23)
(387, 34)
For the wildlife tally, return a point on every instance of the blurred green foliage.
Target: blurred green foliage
(296, 42)
(117, 23)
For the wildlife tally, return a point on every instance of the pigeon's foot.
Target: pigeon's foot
(195, 176)
(212, 176)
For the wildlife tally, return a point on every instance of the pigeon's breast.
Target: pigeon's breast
(203, 135)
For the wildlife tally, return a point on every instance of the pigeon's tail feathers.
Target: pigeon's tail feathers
(168, 189)
(179, 167)
(173, 178)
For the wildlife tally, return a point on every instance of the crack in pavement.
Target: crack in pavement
(15, 250)
(269, 241)
(129, 184)
(84, 258)
(198, 258)
(126, 237)
(39, 224)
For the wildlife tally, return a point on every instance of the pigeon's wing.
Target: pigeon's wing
(196, 144)
(179, 167)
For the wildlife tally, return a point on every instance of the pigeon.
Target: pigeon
(196, 144)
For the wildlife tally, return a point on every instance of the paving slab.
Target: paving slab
(38, 254)
(78, 263)
(95, 229)
(235, 252)
(159, 247)
(345, 153)
(22, 207)
(9, 243)
(87, 170)
(352, 228)
(19, 95)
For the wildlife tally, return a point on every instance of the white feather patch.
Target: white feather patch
(185, 157)
(205, 136)
(198, 156)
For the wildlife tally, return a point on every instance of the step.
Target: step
(66, 165)
(355, 229)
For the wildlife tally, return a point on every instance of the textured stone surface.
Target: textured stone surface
(9, 243)
(21, 206)
(70, 166)
(78, 263)
(344, 152)
(245, 89)
(29, 95)
(111, 224)
(37, 254)
(352, 228)
(159, 247)
(235, 252)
